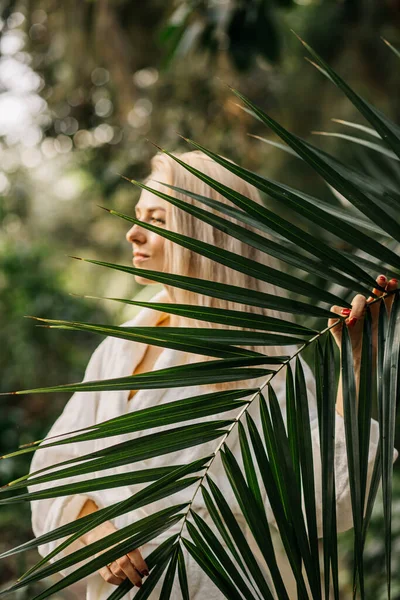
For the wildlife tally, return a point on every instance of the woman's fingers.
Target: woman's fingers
(357, 310)
(354, 317)
(122, 568)
(340, 311)
(130, 565)
(109, 577)
(137, 560)
(381, 281)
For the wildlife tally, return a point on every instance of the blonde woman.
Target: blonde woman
(117, 358)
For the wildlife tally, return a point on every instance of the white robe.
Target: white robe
(118, 358)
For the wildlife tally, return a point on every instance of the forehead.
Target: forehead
(149, 201)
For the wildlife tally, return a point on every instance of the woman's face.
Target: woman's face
(147, 246)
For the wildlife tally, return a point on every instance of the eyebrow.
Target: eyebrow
(151, 209)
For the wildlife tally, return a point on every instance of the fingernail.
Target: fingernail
(345, 311)
(352, 322)
(381, 278)
(145, 573)
(393, 281)
(139, 584)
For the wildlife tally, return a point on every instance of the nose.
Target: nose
(136, 234)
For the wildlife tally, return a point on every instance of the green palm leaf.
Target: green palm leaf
(360, 141)
(166, 589)
(140, 420)
(201, 338)
(239, 263)
(227, 292)
(279, 251)
(192, 374)
(326, 398)
(183, 581)
(76, 529)
(235, 318)
(353, 450)
(380, 188)
(390, 399)
(139, 533)
(388, 131)
(352, 192)
(209, 566)
(288, 230)
(157, 562)
(222, 556)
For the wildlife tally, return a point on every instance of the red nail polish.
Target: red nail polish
(352, 322)
(381, 278)
(345, 311)
(393, 281)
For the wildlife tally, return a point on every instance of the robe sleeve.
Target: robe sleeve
(343, 497)
(79, 412)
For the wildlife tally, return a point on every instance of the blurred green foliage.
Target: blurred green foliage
(33, 356)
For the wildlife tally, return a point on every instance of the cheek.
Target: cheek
(157, 244)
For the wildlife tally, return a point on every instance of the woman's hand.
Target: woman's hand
(130, 565)
(354, 321)
(355, 317)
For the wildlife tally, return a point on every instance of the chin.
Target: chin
(143, 281)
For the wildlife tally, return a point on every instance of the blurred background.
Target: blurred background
(85, 87)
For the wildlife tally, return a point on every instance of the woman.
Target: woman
(117, 358)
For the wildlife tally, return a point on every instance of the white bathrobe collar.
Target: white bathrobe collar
(125, 355)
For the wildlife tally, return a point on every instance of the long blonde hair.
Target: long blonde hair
(182, 261)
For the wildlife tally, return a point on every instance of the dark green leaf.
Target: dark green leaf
(285, 228)
(251, 474)
(203, 340)
(386, 129)
(97, 483)
(326, 396)
(291, 418)
(365, 402)
(207, 372)
(241, 263)
(136, 449)
(168, 582)
(156, 562)
(239, 538)
(221, 555)
(220, 290)
(352, 192)
(140, 533)
(307, 466)
(390, 399)
(220, 580)
(164, 414)
(359, 141)
(235, 318)
(262, 243)
(159, 489)
(274, 494)
(353, 446)
(213, 512)
(256, 519)
(183, 581)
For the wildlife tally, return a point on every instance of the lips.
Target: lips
(139, 257)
